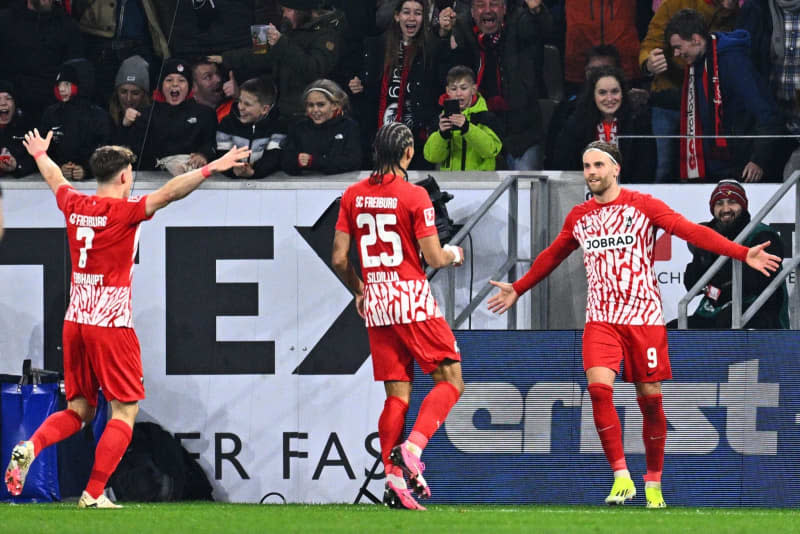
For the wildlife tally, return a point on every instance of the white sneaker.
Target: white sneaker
(87, 501)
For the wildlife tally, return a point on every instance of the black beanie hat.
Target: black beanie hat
(176, 66)
(67, 73)
(8, 87)
(301, 5)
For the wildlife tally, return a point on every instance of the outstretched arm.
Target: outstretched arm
(345, 270)
(761, 260)
(37, 147)
(182, 185)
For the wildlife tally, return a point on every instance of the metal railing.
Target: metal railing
(738, 319)
(539, 199)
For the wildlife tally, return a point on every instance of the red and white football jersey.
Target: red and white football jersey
(103, 236)
(385, 221)
(618, 240)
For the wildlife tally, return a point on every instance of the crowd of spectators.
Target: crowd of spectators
(467, 76)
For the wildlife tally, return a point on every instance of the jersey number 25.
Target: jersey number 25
(376, 226)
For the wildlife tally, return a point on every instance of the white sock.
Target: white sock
(397, 481)
(623, 473)
(652, 484)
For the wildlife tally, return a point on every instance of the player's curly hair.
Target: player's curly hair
(108, 160)
(390, 143)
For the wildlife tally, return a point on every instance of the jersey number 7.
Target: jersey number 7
(87, 235)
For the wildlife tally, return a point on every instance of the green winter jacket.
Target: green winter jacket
(473, 150)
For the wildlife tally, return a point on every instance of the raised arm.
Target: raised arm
(182, 185)
(37, 147)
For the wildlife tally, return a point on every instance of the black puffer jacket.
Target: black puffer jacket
(78, 125)
(11, 139)
(186, 128)
(334, 146)
(34, 45)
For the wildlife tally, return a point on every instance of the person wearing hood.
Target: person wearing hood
(131, 91)
(14, 124)
(254, 123)
(468, 139)
(729, 207)
(327, 141)
(722, 95)
(181, 132)
(78, 125)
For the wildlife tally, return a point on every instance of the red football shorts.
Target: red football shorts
(395, 347)
(97, 356)
(642, 347)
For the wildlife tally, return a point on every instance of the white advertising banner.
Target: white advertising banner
(251, 348)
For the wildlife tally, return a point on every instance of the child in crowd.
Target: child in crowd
(254, 123)
(467, 139)
(14, 124)
(78, 125)
(328, 140)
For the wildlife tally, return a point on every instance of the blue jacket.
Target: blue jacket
(748, 108)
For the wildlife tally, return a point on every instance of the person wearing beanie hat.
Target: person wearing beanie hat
(13, 126)
(181, 133)
(729, 207)
(131, 91)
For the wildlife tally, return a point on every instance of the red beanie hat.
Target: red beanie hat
(730, 189)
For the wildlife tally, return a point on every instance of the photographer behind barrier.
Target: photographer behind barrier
(729, 206)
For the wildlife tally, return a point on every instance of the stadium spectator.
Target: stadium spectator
(101, 349)
(591, 23)
(203, 27)
(624, 318)
(2, 226)
(14, 124)
(254, 123)
(507, 52)
(115, 31)
(327, 141)
(36, 39)
(398, 80)
(728, 205)
(131, 92)
(181, 132)
(776, 54)
(723, 94)
(307, 49)
(604, 113)
(209, 89)
(359, 18)
(79, 126)
(398, 334)
(667, 71)
(466, 140)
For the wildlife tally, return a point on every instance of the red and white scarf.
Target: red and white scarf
(693, 163)
(607, 131)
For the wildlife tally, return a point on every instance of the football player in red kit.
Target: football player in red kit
(617, 230)
(391, 221)
(100, 346)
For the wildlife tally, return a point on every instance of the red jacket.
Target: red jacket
(594, 22)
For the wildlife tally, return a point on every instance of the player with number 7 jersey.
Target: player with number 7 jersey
(101, 349)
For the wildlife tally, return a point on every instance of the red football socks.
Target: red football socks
(112, 446)
(390, 428)
(606, 421)
(433, 412)
(654, 434)
(57, 427)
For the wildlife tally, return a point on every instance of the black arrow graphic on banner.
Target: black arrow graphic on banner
(345, 345)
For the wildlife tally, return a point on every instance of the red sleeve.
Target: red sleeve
(135, 210)
(423, 214)
(62, 196)
(698, 235)
(343, 221)
(550, 258)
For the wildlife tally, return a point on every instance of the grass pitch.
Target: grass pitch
(199, 518)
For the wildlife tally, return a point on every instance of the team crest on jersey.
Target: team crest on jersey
(608, 242)
(430, 217)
